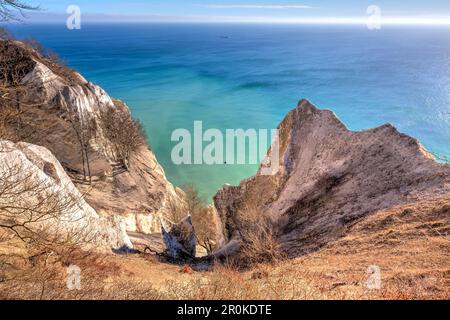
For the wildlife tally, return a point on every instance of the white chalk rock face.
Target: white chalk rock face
(84, 100)
(329, 177)
(42, 78)
(73, 108)
(33, 178)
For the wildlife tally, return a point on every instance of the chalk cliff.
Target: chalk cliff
(63, 113)
(330, 177)
(37, 195)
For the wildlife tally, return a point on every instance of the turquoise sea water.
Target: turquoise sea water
(250, 76)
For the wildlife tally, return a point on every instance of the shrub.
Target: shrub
(51, 59)
(259, 239)
(176, 211)
(203, 218)
(125, 134)
(15, 97)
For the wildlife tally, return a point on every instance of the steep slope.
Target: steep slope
(37, 197)
(408, 244)
(330, 177)
(63, 112)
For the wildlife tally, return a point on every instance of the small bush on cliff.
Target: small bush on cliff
(15, 63)
(259, 239)
(52, 60)
(203, 219)
(176, 211)
(15, 124)
(15, 97)
(125, 133)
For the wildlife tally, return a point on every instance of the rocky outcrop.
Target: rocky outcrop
(65, 117)
(35, 192)
(329, 177)
(179, 238)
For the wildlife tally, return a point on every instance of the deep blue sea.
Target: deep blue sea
(250, 76)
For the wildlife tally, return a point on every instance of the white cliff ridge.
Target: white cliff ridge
(67, 106)
(38, 176)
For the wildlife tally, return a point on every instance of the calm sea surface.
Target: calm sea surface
(250, 76)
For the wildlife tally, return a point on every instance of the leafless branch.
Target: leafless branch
(14, 10)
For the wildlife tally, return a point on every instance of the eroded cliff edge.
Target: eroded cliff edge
(330, 178)
(39, 201)
(64, 113)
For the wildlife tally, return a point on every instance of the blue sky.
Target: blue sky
(245, 10)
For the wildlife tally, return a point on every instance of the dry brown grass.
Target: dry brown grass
(143, 277)
(410, 244)
(264, 282)
(412, 253)
(51, 59)
(45, 277)
(320, 276)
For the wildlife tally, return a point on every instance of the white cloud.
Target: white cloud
(256, 6)
(329, 20)
(361, 20)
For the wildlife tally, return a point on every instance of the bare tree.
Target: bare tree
(13, 10)
(202, 218)
(205, 229)
(125, 133)
(34, 210)
(260, 243)
(15, 123)
(84, 131)
(39, 219)
(52, 60)
(193, 200)
(176, 211)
